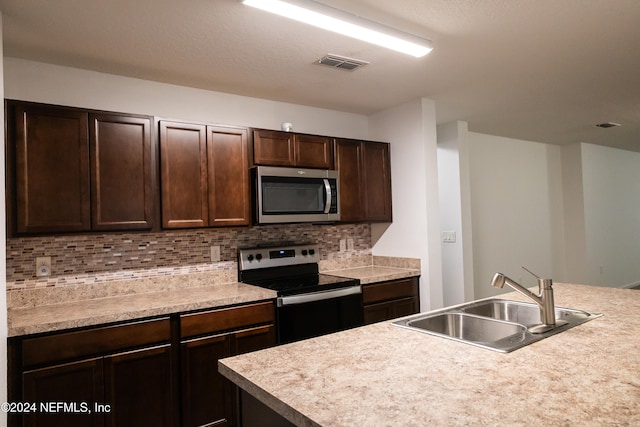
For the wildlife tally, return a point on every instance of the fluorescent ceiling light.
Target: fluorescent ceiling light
(335, 20)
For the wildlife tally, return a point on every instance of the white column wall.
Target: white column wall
(574, 231)
(411, 130)
(455, 212)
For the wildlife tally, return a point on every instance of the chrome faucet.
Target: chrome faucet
(544, 300)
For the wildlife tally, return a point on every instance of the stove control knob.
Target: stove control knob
(258, 257)
(304, 252)
(250, 257)
(312, 251)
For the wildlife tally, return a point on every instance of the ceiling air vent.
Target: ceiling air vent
(341, 62)
(608, 125)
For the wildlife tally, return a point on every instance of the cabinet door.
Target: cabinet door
(348, 163)
(313, 151)
(183, 159)
(52, 169)
(121, 172)
(388, 300)
(206, 395)
(273, 148)
(254, 339)
(138, 388)
(377, 181)
(374, 313)
(228, 176)
(405, 307)
(390, 310)
(73, 383)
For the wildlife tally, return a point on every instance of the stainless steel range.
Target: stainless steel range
(308, 303)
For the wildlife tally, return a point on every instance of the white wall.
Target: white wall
(3, 266)
(411, 130)
(611, 184)
(574, 230)
(517, 210)
(52, 84)
(455, 212)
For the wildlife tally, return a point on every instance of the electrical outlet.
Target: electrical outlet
(449, 236)
(343, 245)
(215, 253)
(349, 244)
(43, 266)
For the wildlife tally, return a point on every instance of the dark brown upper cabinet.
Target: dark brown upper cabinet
(365, 180)
(277, 148)
(51, 168)
(228, 176)
(377, 181)
(183, 175)
(204, 175)
(121, 172)
(349, 165)
(73, 170)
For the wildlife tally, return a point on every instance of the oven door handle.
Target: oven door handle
(318, 296)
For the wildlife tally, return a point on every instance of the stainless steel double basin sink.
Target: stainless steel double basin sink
(494, 324)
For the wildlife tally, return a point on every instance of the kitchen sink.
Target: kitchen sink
(523, 313)
(477, 330)
(494, 324)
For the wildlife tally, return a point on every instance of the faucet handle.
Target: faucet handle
(531, 273)
(542, 283)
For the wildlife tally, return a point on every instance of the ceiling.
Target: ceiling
(539, 70)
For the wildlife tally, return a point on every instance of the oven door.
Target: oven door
(313, 314)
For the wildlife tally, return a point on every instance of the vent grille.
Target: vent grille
(608, 125)
(341, 62)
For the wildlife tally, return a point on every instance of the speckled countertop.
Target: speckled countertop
(381, 375)
(58, 308)
(380, 270)
(114, 308)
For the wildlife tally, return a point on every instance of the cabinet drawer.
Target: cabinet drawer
(72, 345)
(390, 310)
(390, 290)
(226, 319)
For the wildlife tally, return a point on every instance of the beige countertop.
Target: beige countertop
(381, 375)
(119, 307)
(374, 273)
(52, 309)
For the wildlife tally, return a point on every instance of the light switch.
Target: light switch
(449, 236)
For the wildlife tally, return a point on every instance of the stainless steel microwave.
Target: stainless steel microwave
(287, 195)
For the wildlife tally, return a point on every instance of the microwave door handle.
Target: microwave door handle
(327, 189)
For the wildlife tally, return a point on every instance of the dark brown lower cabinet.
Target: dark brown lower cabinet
(70, 382)
(117, 375)
(155, 372)
(388, 300)
(208, 398)
(206, 395)
(138, 388)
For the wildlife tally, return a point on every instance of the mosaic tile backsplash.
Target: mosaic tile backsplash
(77, 259)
